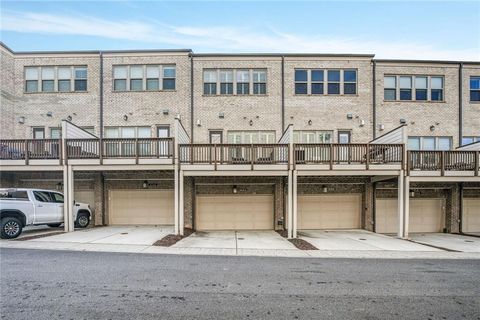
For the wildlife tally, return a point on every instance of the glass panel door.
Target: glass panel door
(344, 151)
(128, 146)
(163, 146)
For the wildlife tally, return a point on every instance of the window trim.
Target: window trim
(144, 78)
(325, 82)
(470, 90)
(217, 83)
(413, 87)
(436, 142)
(55, 79)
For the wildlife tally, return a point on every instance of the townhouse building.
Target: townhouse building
(246, 141)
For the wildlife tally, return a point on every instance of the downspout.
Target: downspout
(460, 104)
(191, 98)
(283, 93)
(101, 109)
(374, 97)
(460, 213)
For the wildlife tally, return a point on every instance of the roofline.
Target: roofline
(426, 61)
(279, 55)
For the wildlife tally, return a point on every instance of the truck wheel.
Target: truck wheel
(11, 228)
(82, 220)
(54, 225)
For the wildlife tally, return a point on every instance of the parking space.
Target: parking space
(261, 240)
(358, 240)
(131, 235)
(38, 231)
(448, 241)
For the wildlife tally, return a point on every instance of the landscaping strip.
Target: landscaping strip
(298, 243)
(170, 239)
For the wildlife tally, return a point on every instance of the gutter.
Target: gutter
(374, 97)
(101, 108)
(191, 98)
(283, 93)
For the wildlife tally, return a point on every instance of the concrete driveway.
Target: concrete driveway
(133, 235)
(358, 240)
(453, 242)
(260, 240)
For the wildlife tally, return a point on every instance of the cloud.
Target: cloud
(223, 38)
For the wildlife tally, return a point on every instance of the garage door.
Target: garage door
(471, 215)
(85, 196)
(239, 212)
(426, 215)
(141, 207)
(339, 211)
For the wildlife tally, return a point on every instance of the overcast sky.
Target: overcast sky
(416, 30)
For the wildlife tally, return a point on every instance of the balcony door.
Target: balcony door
(163, 146)
(344, 137)
(216, 137)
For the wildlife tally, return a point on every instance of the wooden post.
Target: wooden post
(331, 156)
(27, 155)
(442, 163)
(367, 160)
(477, 156)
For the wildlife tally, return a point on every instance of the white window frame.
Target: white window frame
(414, 87)
(325, 82)
(55, 79)
(128, 78)
(235, 81)
(436, 141)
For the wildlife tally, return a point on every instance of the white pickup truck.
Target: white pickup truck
(25, 207)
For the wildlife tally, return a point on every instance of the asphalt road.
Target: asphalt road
(39, 284)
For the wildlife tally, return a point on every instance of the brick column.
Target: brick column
(452, 208)
(279, 203)
(99, 189)
(189, 198)
(368, 203)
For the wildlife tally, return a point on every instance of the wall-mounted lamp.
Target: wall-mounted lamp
(145, 184)
(362, 123)
(69, 118)
(349, 116)
(309, 122)
(432, 128)
(21, 120)
(165, 112)
(250, 122)
(234, 190)
(324, 189)
(381, 127)
(199, 123)
(403, 121)
(412, 194)
(125, 117)
(221, 115)
(178, 116)
(49, 113)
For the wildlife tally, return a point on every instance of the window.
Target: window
(55, 133)
(42, 196)
(153, 76)
(210, 82)
(317, 81)
(120, 78)
(430, 143)
(57, 197)
(48, 79)
(144, 77)
(136, 78)
(390, 85)
(226, 81)
(301, 82)
(259, 82)
(13, 195)
(38, 133)
(468, 140)
(312, 136)
(474, 88)
(169, 75)
(333, 85)
(80, 79)
(437, 88)
(64, 74)
(243, 82)
(251, 137)
(413, 88)
(350, 82)
(128, 132)
(31, 79)
(405, 88)
(421, 88)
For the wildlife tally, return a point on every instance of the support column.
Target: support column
(290, 205)
(406, 207)
(401, 203)
(71, 226)
(176, 198)
(294, 196)
(181, 209)
(66, 199)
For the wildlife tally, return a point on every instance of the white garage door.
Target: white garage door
(335, 211)
(426, 215)
(471, 215)
(239, 212)
(141, 207)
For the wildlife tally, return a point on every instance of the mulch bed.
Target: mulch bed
(38, 236)
(171, 239)
(298, 243)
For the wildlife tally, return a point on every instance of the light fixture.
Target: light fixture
(309, 122)
(362, 123)
(145, 184)
(381, 127)
(324, 189)
(199, 123)
(234, 190)
(251, 122)
(349, 116)
(403, 121)
(21, 120)
(178, 116)
(165, 111)
(432, 128)
(221, 115)
(412, 194)
(69, 118)
(125, 117)
(49, 113)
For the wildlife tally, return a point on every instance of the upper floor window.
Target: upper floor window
(468, 140)
(251, 136)
(56, 79)
(234, 81)
(128, 132)
(144, 77)
(413, 88)
(312, 136)
(430, 143)
(475, 88)
(320, 82)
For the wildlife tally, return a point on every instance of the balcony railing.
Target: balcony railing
(234, 154)
(30, 149)
(443, 161)
(334, 154)
(120, 148)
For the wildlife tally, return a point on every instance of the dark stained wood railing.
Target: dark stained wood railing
(234, 153)
(456, 160)
(30, 149)
(331, 154)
